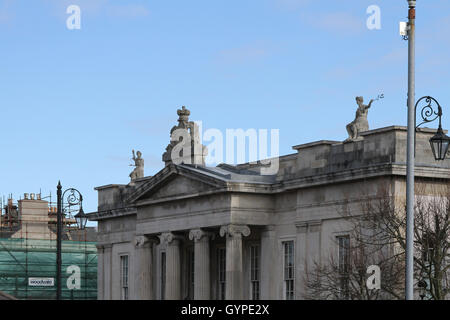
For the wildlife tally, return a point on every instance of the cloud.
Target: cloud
(339, 23)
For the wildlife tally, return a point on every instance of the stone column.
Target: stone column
(173, 265)
(202, 274)
(100, 272)
(313, 240)
(107, 268)
(268, 268)
(301, 259)
(234, 268)
(313, 250)
(144, 263)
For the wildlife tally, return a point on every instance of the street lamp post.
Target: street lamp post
(439, 146)
(409, 283)
(74, 198)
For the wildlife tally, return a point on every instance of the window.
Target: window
(191, 273)
(163, 275)
(254, 272)
(124, 277)
(344, 253)
(344, 263)
(289, 270)
(221, 267)
(427, 248)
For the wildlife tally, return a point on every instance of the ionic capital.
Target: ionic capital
(198, 234)
(142, 240)
(234, 230)
(167, 238)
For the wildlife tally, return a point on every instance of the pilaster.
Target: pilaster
(234, 267)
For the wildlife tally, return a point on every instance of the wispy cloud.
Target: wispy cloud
(432, 52)
(314, 14)
(338, 23)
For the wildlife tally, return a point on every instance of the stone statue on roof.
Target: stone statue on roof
(138, 171)
(185, 145)
(360, 124)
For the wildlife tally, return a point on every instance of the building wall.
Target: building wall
(312, 218)
(304, 204)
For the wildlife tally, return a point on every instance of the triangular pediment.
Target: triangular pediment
(175, 182)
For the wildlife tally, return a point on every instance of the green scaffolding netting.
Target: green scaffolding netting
(21, 259)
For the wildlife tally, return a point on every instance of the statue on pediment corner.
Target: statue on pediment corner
(138, 171)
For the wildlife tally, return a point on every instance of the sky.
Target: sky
(74, 103)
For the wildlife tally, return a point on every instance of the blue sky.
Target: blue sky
(75, 102)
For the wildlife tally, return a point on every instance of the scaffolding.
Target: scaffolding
(28, 253)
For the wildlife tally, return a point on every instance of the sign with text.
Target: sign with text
(41, 282)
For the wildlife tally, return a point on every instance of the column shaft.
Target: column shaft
(268, 245)
(173, 266)
(143, 275)
(202, 274)
(107, 265)
(234, 268)
(301, 260)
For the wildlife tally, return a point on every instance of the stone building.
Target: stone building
(28, 241)
(229, 232)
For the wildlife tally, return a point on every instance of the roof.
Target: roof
(242, 176)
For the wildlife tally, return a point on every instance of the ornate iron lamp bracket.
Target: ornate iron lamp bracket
(428, 112)
(73, 198)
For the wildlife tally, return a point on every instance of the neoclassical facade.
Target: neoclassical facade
(230, 232)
